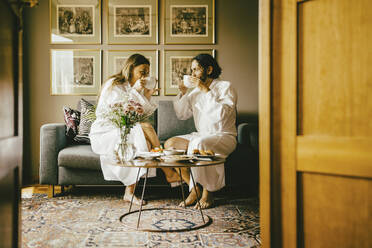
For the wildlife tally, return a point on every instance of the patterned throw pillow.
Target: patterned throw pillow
(72, 120)
(87, 117)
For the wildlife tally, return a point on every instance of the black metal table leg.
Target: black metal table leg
(143, 193)
(183, 194)
(197, 194)
(134, 190)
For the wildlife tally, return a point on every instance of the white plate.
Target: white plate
(176, 158)
(149, 155)
(174, 152)
(204, 156)
(210, 157)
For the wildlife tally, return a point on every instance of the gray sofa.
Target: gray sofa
(62, 163)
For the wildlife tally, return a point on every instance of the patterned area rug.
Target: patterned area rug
(89, 217)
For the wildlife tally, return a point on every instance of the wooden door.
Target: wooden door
(317, 109)
(10, 124)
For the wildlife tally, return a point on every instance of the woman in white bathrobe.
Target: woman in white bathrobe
(105, 136)
(212, 103)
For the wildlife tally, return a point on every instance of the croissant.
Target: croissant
(209, 152)
(202, 152)
(196, 151)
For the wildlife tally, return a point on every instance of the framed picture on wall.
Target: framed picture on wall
(116, 59)
(132, 21)
(189, 22)
(75, 23)
(176, 64)
(75, 72)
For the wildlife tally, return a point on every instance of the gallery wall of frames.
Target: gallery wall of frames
(129, 22)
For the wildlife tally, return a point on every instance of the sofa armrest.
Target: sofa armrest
(248, 135)
(52, 140)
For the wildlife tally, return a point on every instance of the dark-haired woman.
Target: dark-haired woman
(212, 103)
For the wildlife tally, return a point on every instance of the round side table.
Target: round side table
(170, 226)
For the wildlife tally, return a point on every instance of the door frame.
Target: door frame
(278, 122)
(264, 96)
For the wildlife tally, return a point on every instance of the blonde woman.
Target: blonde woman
(105, 136)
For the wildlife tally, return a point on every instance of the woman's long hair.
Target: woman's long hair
(125, 75)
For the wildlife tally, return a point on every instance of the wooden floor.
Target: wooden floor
(36, 189)
(40, 189)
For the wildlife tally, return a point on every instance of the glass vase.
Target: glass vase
(126, 151)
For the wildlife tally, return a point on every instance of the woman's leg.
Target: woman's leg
(176, 143)
(153, 141)
(150, 134)
(129, 193)
(211, 177)
(206, 200)
(182, 144)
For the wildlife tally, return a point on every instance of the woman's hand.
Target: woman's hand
(182, 88)
(149, 92)
(139, 87)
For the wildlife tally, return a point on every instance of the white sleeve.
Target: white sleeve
(103, 134)
(182, 106)
(148, 106)
(108, 95)
(219, 104)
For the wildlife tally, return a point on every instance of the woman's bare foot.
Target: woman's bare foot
(129, 193)
(191, 198)
(128, 197)
(206, 201)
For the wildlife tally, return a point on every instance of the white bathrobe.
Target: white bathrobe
(214, 115)
(104, 135)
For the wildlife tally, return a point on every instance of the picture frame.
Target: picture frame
(132, 21)
(116, 59)
(189, 22)
(176, 64)
(75, 71)
(75, 23)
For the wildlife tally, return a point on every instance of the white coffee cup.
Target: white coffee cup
(187, 81)
(150, 82)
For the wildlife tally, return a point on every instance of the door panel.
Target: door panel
(8, 47)
(11, 123)
(334, 128)
(320, 123)
(336, 210)
(334, 59)
(9, 201)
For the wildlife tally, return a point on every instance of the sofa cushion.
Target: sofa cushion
(79, 157)
(72, 120)
(248, 135)
(87, 117)
(169, 125)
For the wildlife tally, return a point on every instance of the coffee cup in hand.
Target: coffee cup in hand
(187, 81)
(150, 82)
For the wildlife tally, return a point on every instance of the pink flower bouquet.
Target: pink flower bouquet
(124, 115)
